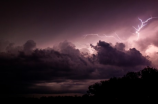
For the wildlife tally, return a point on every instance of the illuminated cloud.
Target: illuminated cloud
(112, 56)
(65, 62)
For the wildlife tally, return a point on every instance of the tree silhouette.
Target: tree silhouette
(133, 85)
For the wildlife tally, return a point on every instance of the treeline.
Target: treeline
(142, 85)
(134, 86)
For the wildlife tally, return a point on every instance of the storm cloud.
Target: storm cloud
(64, 62)
(108, 55)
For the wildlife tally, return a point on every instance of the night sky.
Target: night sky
(63, 46)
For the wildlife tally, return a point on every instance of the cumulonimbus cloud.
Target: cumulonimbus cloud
(117, 55)
(23, 71)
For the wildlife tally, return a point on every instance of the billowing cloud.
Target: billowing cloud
(109, 55)
(29, 46)
(28, 72)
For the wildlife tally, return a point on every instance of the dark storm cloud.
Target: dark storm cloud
(22, 70)
(68, 48)
(120, 46)
(21, 73)
(29, 46)
(109, 55)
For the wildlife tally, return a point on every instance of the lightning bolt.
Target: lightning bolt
(101, 36)
(143, 23)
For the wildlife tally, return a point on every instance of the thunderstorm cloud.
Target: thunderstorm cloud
(33, 72)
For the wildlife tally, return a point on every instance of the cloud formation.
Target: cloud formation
(108, 55)
(29, 46)
(23, 73)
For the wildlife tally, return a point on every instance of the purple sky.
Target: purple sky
(63, 46)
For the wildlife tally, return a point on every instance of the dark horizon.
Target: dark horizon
(134, 87)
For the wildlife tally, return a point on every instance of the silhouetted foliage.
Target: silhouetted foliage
(133, 85)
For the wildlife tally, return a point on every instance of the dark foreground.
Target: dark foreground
(76, 100)
(134, 87)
